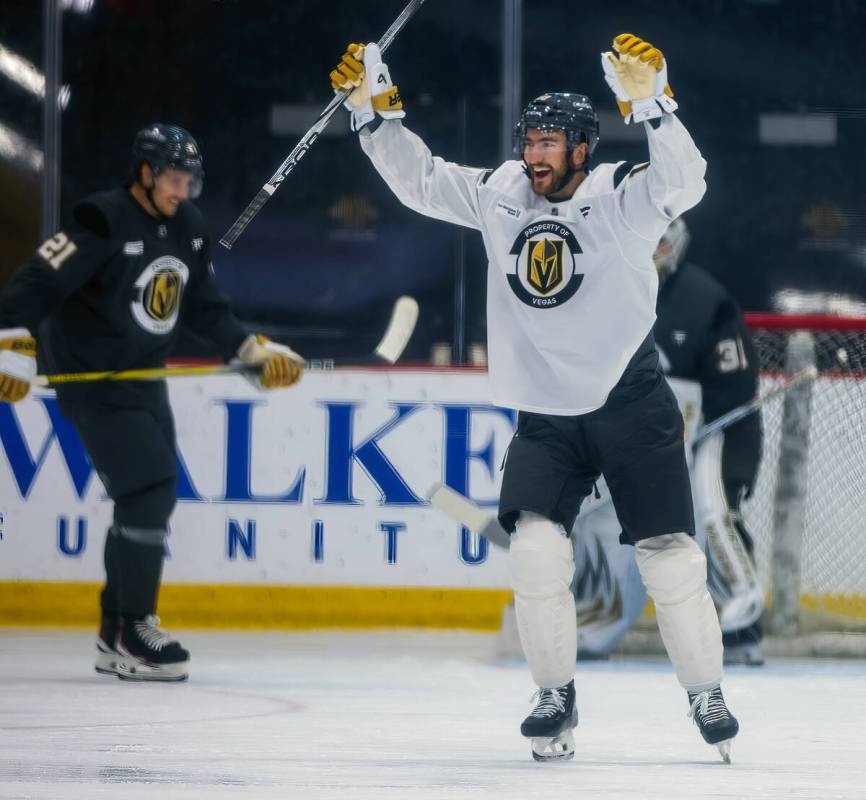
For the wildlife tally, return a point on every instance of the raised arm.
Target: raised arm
(424, 183)
(673, 181)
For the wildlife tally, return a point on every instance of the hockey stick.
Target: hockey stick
(390, 348)
(476, 519)
(461, 509)
(738, 413)
(301, 148)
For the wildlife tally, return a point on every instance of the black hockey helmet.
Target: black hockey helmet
(560, 111)
(168, 147)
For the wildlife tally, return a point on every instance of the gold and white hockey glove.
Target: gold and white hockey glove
(282, 366)
(362, 73)
(17, 364)
(638, 76)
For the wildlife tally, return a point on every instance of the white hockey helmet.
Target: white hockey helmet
(671, 248)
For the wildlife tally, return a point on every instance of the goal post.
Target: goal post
(807, 512)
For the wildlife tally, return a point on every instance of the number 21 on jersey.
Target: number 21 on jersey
(57, 249)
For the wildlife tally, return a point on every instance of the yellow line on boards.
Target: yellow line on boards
(233, 606)
(264, 607)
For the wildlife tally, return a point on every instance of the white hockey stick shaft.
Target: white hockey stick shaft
(306, 142)
(461, 509)
(738, 413)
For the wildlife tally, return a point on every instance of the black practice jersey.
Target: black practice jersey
(702, 336)
(114, 285)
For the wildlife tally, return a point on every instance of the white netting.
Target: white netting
(808, 511)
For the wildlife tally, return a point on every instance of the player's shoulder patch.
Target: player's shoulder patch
(638, 169)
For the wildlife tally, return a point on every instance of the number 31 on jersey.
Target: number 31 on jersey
(732, 355)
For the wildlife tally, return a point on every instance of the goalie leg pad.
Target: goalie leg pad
(609, 593)
(734, 580)
(675, 573)
(542, 566)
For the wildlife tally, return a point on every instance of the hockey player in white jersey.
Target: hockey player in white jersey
(570, 307)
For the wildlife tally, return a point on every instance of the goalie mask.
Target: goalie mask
(671, 248)
(560, 111)
(169, 147)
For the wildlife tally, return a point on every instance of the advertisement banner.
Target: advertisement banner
(319, 485)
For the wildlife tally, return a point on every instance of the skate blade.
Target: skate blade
(553, 748)
(133, 670)
(725, 750)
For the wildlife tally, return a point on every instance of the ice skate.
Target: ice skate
(106, 645)
(744, 647)
(550, 724)
(716, 723)
(748, 653)
(148, 653)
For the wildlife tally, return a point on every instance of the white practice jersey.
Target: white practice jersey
(571, 287)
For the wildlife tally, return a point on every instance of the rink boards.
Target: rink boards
(297, 509)
(300, 508)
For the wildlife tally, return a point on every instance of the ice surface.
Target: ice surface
(361, 716)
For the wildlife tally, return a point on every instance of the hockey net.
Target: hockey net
(807, 513)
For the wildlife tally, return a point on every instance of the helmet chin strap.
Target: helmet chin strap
(148, 192)
(569, 174)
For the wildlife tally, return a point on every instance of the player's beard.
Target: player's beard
(553, 181)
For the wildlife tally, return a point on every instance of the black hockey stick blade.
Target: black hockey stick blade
(299, 151)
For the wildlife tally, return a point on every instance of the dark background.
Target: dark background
(323, 262)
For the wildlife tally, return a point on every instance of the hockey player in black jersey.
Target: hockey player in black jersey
(110, 292)
(702, 337)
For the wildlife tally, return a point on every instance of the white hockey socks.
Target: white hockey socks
(542, 565)
(675, 573)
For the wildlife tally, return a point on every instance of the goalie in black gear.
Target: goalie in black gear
(110, 291)
(707, 353)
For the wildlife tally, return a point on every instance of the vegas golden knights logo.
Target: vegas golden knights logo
(544, 265)
(158, 293)
(162, 295)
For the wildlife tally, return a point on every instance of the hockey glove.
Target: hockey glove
(362, 73)
(638, 76)
(17, 364)
(281, 366)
